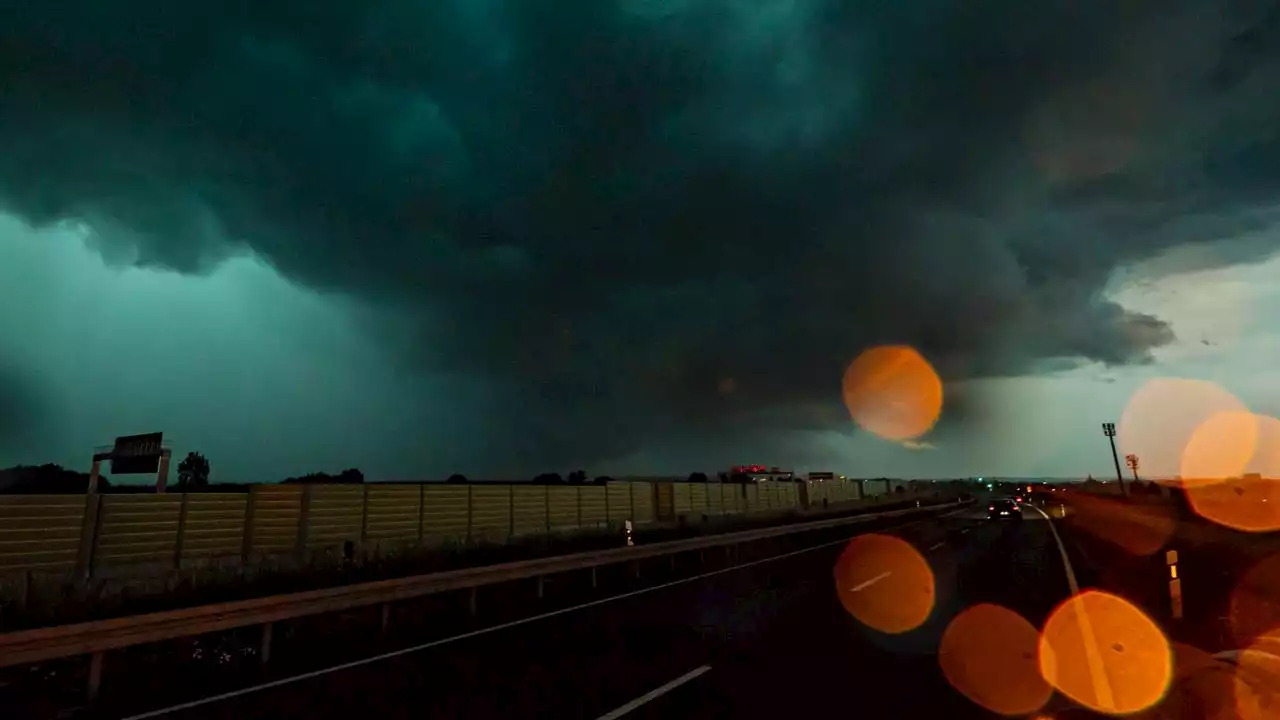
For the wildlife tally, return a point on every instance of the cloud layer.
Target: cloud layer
(643, 220)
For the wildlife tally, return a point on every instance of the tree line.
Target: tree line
(194, 473)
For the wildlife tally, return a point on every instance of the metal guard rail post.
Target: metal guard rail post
(89, 638)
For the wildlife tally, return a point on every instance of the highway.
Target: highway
(768, 639)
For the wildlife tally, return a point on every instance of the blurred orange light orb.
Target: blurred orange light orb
(989, 653)
(1106, 654)
(885, 583)
(894, 392)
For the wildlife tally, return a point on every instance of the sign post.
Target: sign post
(134, 455)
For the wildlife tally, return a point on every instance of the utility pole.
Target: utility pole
(1109, 429)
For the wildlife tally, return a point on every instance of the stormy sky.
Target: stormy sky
(502, 236)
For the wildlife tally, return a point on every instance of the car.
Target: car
(1004, 509)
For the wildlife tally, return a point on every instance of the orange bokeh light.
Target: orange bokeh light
(1266, 453)
(988, 653)
(894, 392)
(1246, 504)
(1220, 447)
(1164, 414)
(1103, 652)
(1138, 529)
(1254, 610)
(1256, 678)
(885, 583)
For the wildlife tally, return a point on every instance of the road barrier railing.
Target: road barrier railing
(94, 638)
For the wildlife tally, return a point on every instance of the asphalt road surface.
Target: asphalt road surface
(771, 639)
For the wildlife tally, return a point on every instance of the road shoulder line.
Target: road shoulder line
(1093, 656)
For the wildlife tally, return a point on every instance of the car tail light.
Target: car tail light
(991, 507)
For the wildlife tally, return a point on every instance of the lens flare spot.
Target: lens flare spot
(893, 391)
(1266, 455)
(1202, 686)
(1220, 447)
(1137, 529)
(1254, 609)
(1103, 652)
(1257, 679)
(1161, 417)
(988, 653)
(885, 583)
(1249, 504)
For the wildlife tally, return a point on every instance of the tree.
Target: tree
(193, 472)
(697, 477)
(899, 490)
(603, 480)
(578, 477)
(548, 479)
(456, 479)
(46, 479)
(350, 476)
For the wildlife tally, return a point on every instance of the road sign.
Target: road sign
(136, 454)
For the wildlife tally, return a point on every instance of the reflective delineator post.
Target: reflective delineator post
(1175, 585)
(630, 542)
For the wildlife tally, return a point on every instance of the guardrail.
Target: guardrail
(96, 637)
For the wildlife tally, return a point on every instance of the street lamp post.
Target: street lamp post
(1109, 429)
(1132, 461)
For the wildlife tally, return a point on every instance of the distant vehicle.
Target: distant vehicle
(1004, 509)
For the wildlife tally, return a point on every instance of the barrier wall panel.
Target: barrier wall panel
(137, 528)
(681, 494)
(715, 499)
(529, 509)
(393, 513)
(40, 532)
(214, 526)
(642, 502)
(620, 499)
(698, 503)
(335, 515)
(593, 505)
(562, 506)
(445, 513)
(276, 509)
(491, 511)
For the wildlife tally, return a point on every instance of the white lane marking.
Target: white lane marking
(654, 693)
(475, 633)
(935, 547)
(868, 583)
(1093, 657)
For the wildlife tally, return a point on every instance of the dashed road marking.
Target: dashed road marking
(655, 693)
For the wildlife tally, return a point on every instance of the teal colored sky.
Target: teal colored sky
(502, 237)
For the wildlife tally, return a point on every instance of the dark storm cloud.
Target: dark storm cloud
(641, 219)
(21, 411)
